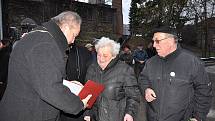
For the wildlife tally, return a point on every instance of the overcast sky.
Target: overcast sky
(125, 10)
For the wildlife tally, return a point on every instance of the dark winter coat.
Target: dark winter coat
(35, 91)
(121, 94)
(181, 84)
(79, 58)
(4, 60)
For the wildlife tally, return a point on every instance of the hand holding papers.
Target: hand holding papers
(74, 86)
(93, 88)
(90, 88)
(86, 100)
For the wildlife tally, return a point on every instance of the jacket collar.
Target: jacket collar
(112, 63)
(57, 34)
(173, 54)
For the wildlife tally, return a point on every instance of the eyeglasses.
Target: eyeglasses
(157, 41)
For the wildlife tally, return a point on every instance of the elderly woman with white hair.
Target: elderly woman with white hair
(120, 99)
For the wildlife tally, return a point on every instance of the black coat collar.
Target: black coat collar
(112, 63)
(174, 54)
(58, 35)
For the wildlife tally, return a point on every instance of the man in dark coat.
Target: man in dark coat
(150, 50)
(175, 83)
(79, 58)
(35, 90)
(140, 57)
(5, 49)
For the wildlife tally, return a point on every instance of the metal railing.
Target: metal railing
(209, 61)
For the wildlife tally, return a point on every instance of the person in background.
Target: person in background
(79, 58)
(91, 48)
(35, 90)
(150, 50)
(27, 25)
(126, 55)
(140, 56)
(174, 82)
(120, 99)
(5, 50)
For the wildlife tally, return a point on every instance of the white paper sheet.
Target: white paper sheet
(74, 87)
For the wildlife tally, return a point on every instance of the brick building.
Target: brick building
(98, 19)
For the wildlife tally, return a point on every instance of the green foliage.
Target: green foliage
(135, 17)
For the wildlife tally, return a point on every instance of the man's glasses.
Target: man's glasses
(157, 41)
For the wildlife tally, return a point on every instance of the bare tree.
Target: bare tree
(198, 12)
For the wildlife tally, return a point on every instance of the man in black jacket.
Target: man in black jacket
(174, 82)
(35, 90)
(5, 49)
(79, 58)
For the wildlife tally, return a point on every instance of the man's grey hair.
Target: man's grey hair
(106, 42)
(172, 36)
(67, 17)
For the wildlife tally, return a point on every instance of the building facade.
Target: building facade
(98, 19)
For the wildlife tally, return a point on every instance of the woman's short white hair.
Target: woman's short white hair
(106, 42)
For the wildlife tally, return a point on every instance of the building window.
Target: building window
(105, 16)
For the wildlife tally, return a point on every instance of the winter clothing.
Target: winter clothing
(127, 58)
(36, 70)
(181, 84)
(139, 55)
(79, 58)
(4, 59)
(121, 94)
(151, 52)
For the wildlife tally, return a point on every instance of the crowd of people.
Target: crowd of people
(169, 81)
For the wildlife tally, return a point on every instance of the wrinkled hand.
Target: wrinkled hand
(150, 95)
(85, 100)
(87, 118)
(24, 34)
(128, 117)
(1, 45)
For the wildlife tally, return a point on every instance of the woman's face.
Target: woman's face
(104, 57)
